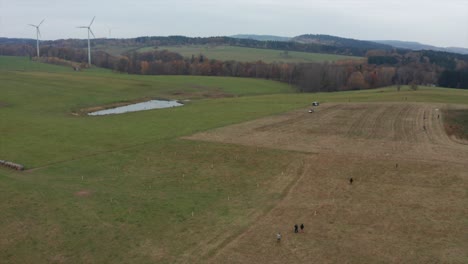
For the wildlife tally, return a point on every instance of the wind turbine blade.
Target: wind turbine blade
(41, 23)
(39, 32)
(32, 25)
(82, 27)
(92, 21)
(92, 32)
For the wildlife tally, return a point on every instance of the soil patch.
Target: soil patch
(456, 123)
(374, 129)
(83, 193)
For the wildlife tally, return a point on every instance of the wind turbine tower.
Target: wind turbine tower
(89, 45)
(38, 34)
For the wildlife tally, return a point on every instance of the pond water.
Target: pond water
(153, 104)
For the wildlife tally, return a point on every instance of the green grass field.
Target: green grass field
(115, 50)
(226, 53)
(126, 188)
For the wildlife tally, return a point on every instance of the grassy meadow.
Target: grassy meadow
(115, 50)
(226, 53)
(126, 188)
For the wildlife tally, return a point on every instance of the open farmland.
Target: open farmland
(226, 53)
(215, 180)
(407, 203)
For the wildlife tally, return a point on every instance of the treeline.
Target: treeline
(341, 42)
(410, 68)
(446, 60)
(16, 50)
(454, 79)
(169, 63)
(383, 68)
(307, 77)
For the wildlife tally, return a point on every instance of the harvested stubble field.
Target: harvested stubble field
(407, 204)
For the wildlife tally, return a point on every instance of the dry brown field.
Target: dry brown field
(408, 202)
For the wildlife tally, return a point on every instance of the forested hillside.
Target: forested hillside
(382, 67)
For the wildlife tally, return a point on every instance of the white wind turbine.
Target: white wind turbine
(89, 45)
(38, 34)
(110, 31)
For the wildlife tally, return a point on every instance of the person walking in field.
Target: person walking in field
(296, 228)
(278, 237)
(302, 228)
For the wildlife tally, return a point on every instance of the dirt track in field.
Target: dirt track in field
(408, 202)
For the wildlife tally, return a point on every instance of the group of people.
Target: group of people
(296, 227)
(296, 230)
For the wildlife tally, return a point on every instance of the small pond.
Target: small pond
(153, 104)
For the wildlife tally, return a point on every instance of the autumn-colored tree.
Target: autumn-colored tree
(144, 67)
(216, 67)
(157, 67)
(122, 65)
(285, 72)
(310, 79)
(371, 78)
(356, 81)
(337, 76)
(385, 76)
(179, 67)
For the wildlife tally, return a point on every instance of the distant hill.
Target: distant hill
(457, 50)
(340, 42)
(419, 46)
(261, 37)
(335, 41)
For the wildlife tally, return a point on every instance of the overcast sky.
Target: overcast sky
(436, 22)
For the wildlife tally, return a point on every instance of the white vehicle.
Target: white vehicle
(315, 103)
